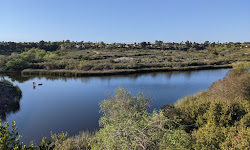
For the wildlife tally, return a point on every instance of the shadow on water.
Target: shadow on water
(16, 77)
(9, 99)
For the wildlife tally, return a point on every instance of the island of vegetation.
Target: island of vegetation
(9, 98)
(218, 118)
(69, 58)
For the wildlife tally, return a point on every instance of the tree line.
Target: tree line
(8, 47)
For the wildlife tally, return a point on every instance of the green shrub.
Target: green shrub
(3, 60)
(85, 66)
(17, 64)
(10, 139)
(220, 115)
(236, 138)
(208, 137)
(232, 87)
(126, 124)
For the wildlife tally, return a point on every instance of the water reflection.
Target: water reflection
(22, 78)
(16, 77)
(8, 109)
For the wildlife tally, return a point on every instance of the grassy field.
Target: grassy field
(118, 61)
(77, 73)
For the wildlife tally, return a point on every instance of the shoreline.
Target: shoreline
(77, 73)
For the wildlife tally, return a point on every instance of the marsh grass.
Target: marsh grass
(80, 73)
(93, 61)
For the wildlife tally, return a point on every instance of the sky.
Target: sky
(125, 21)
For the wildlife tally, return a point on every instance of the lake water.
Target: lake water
(71, 104)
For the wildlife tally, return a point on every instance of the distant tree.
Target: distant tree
(188, 44)
(206, 44)
(158, 43)
(229, 45)
(12, 45)
(143, 45)
(196, 46)
(102, 44)
(41, 44)
(212, 44)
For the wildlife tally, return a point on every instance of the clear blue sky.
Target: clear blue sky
(125, 20)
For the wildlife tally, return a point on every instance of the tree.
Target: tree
(143, 45)
(206, 44)
(188, 44)
(41, 44)
(212, 44)
(158, 43)
(197, 46)
(102, 44)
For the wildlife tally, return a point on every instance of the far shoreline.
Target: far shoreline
(77, 73)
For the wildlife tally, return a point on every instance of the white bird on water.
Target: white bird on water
(34, 83)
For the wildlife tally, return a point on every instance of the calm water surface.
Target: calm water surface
(71, 104)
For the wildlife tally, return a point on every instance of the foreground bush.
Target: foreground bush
(10, 138)
(220, 116)
(236, 85)
(126, 124)
(80, 141)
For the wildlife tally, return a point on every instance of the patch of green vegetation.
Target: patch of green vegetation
(115, 60)
(219, 115)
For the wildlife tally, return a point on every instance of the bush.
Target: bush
(220, 116)
(126, 124)
(208, 137)
(3, 60)
(10, 139)
(235, 86)
(236, 138)
(25, 60)
(85, 66)
(17, 64)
